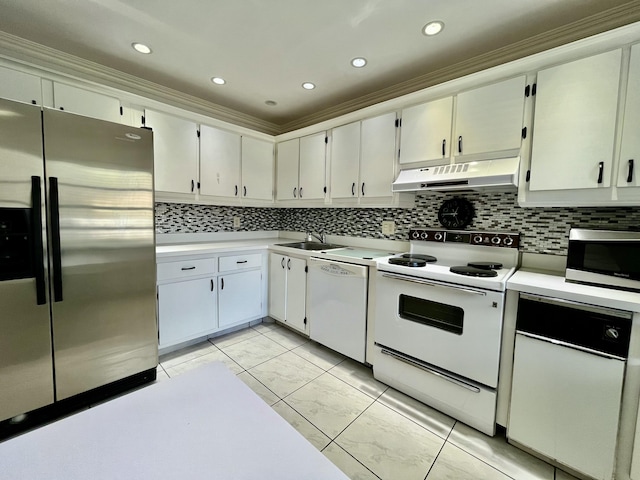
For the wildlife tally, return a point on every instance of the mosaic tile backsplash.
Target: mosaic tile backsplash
(543, 230)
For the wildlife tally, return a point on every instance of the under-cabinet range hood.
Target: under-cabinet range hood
(500, 174)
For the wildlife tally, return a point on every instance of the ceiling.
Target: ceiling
(266, 49)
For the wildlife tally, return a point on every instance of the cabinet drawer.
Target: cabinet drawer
(187, 268)
(239, 262)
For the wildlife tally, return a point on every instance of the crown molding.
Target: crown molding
(604, 21)
(54, 61)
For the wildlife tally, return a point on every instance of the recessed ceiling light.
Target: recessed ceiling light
(308, 86)
(141, 48)
(218, 80)
(433, 28)
(271, 103)
(359, 62)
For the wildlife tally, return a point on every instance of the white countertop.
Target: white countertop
(552, 284)
(209, 248)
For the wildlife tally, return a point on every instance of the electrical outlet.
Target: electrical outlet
(388, 227)
(236, 222)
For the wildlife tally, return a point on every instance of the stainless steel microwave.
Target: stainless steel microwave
(606, 258)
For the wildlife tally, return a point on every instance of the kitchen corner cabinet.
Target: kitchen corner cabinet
(84, 102)
(257, 169)
(425, 132)
(489, 119)
(301, 168)
(575, 124)
(219, 162)
(630, 148)
(20, 86)
(288, 290)
(175, 152)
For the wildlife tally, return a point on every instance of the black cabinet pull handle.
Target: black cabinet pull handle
(193, 185)
(294, 192)
(444, 146)
(353, 189)
(282, 262)
(630, 174)
(188, 268)
(212, 284)
(241, 261)
(221, 283)
(600, 171)
(245, 191)
(460, 144)
(289, 264)
(236, 194)
(55, 239)
(363, 189)
(300, 192)
(36, 232)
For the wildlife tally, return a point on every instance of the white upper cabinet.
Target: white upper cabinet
(630, 149)
(425, 134)
(257, 169)
(489, 119)
(312, 167)
(575, 124)
(84, 102)
(20, 87)
(287, 168)
(175, 151)
(378, 155)
(219, 162)
(345, 161)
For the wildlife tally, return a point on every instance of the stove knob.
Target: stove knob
(508, 241)
(415, 234)
(477, 239)
(612, 333)
(424, 235)
(495, 240)
(438, 236)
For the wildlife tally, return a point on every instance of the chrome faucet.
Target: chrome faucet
(320, 237)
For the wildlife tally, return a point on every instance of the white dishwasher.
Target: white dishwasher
(337, 306)
(568, 372)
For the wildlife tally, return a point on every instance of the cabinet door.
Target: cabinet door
(219, 162)
(296, 316)
(277, 286)
(287, 176)
(312, 166)
(83, 102)
(239, 297)
(630, 150)
(574, 125)
(175, 152)
(20, 87)
(489, 119)
(257, 169)
(378, 156)
(425, 134)
(186, 310)
(345, 160)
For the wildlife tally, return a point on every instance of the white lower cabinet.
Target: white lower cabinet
(186, 310)
(239, 297)
(287, 290)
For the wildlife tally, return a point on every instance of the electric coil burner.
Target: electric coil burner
(412, 260)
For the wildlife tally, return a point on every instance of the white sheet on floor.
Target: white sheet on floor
(204, 424)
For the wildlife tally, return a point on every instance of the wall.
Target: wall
(543, 230)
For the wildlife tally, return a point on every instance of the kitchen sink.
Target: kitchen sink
(310, 245)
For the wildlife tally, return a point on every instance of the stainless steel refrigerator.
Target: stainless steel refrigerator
(77, 258)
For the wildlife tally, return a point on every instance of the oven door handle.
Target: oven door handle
(421, 366)
(433, 284)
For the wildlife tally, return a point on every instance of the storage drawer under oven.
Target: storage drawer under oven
(456, 328)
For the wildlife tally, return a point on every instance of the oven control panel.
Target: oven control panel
(489, 239)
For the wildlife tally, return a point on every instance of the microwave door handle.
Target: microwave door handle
(36, 232)
(433, 284)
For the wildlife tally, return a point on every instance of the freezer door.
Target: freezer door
(101, 212)
(26, 374)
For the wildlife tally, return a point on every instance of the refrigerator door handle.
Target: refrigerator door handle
(36, 231)
(55, 239)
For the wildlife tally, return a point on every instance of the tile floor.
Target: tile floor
(369, 430)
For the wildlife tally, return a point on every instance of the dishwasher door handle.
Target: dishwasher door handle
(573, 346)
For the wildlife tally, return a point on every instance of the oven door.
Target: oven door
(453, 327)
